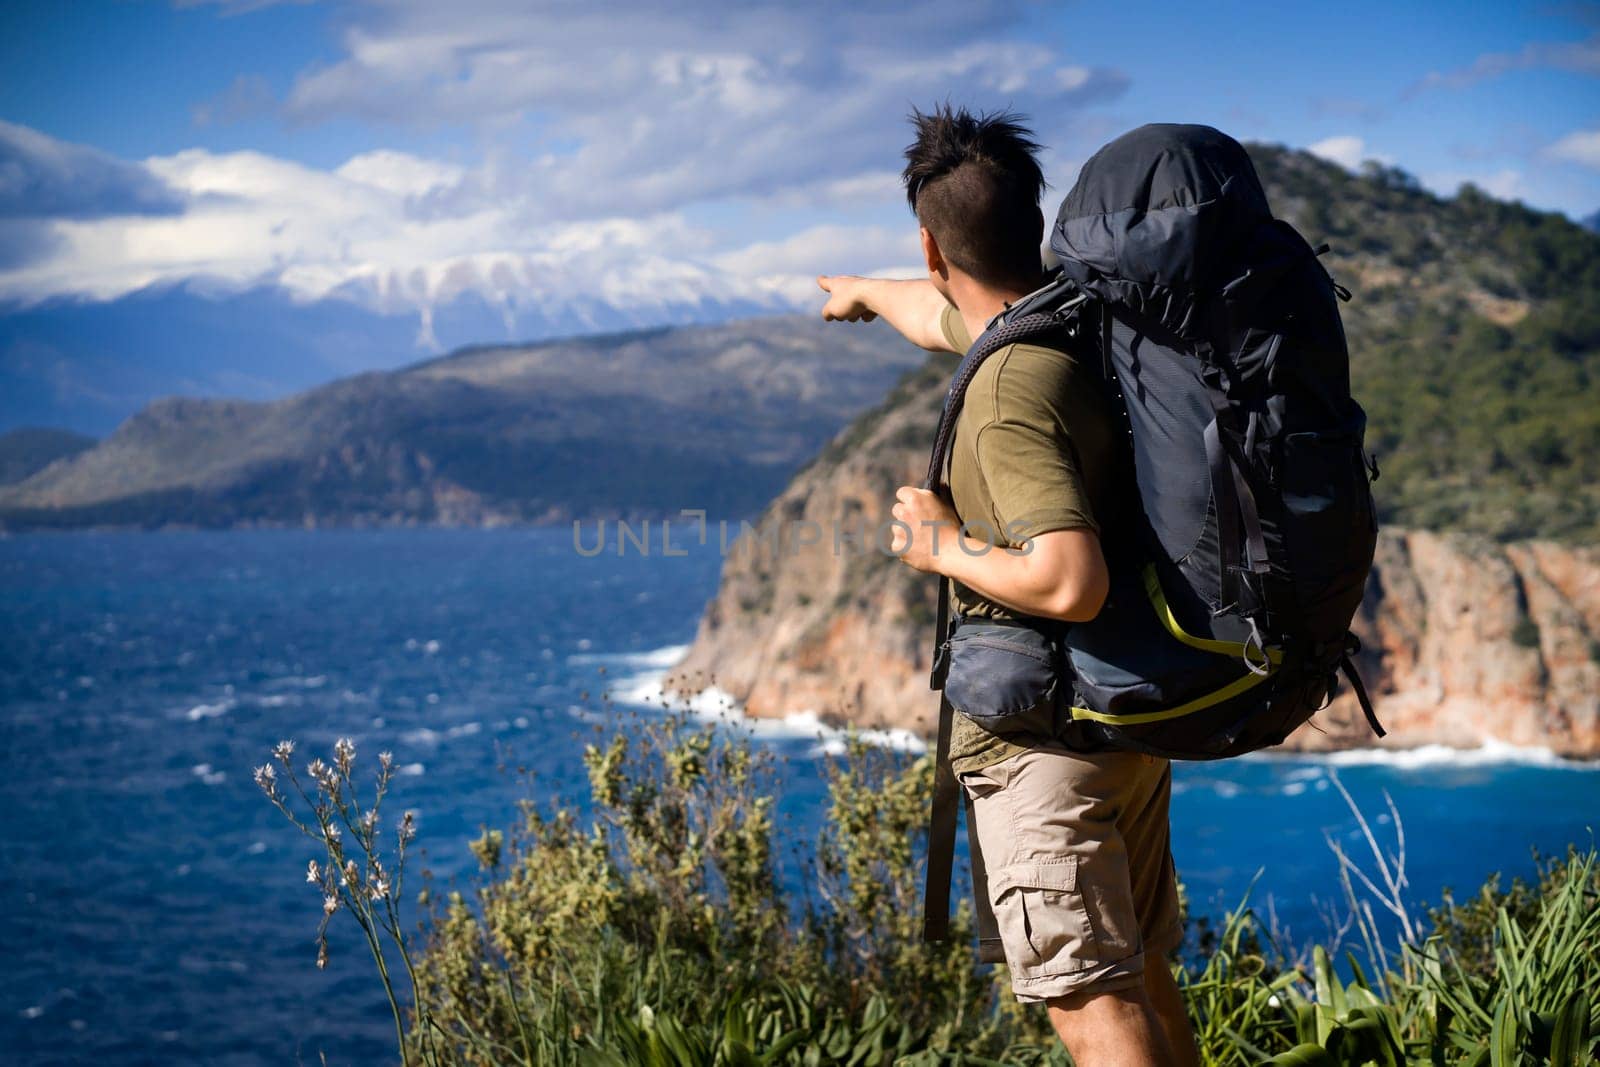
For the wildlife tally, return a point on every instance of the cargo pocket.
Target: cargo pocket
(1000, 676)
(1042, 921)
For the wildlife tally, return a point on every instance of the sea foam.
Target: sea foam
(1491, 752)
(714, 705)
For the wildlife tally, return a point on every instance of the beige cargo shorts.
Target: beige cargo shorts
(1077, 851)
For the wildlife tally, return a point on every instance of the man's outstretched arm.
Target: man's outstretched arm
(911, 307)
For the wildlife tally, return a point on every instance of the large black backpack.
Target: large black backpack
(1222, 348)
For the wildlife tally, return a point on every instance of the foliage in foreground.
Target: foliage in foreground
(655, 930)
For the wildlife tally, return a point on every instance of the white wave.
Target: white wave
(277, 700)
(896, 738)
(430, 738)
(645, 690)
(297, 681)
(210, 711)
(410, 770)
(1491, 752)
(658, 659)
(714, 705)
(206, 774)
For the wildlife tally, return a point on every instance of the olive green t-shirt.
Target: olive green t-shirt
(1032, 453)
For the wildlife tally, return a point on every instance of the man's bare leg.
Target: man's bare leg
(1162, 989)
(1110, 1029)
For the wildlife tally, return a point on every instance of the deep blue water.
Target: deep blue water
(154, 908)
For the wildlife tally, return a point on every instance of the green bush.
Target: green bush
(654, 930)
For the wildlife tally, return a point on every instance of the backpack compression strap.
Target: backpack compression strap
(946, 790)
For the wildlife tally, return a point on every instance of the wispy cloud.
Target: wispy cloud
(1577, 57)
(248, 96)
(1579, 146)
(640, 107)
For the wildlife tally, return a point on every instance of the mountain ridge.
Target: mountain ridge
(620, 424)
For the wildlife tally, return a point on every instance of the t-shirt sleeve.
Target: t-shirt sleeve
(954, 329)
(1026, 451)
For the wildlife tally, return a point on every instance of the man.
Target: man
(1076, 845)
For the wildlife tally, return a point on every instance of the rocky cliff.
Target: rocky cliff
(1466, 640)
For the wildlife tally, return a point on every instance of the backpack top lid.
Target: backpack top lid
(1156, 221)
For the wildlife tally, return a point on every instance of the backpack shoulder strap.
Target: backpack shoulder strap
(946, 790)
(1004, 332)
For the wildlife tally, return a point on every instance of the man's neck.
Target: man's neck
(979, 303)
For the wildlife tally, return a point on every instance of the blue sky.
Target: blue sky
(402, 152)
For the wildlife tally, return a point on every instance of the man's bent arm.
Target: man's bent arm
(1062, 575)
(914, 308)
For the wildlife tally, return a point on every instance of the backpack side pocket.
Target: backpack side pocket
(1000, 674)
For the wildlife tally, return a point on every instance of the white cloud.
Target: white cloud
(1346, 150)
(789, 267)
(401, 173)
(636, 107)
(401, 233)
(1579, 146)
(357, 231)
(1506, 184)
(601, 131)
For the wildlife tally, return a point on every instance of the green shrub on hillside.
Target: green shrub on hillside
(1474, 346)
(655, 931)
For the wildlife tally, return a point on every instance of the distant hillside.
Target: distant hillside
(625, 424)
(25, 452)
(1474, 345)
(89, 365)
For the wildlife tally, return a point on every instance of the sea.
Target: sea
(154, 907)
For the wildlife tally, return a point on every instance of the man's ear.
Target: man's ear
(935, 258)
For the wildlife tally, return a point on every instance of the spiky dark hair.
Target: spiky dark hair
(974, 182)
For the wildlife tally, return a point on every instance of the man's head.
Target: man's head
(974, 185)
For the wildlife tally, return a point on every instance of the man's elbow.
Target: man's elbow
(1080, 600)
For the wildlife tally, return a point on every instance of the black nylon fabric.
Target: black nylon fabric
(1167, 412)
(1157, 215)
(1222, 336)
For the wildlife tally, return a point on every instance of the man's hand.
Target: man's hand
(934, 529)
(914, 308)
(847, 298)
